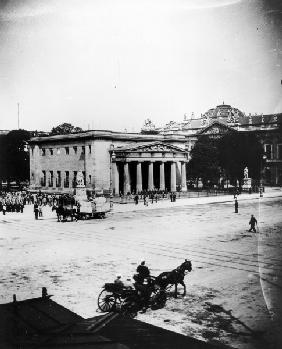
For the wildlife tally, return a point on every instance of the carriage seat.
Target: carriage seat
(116, 288)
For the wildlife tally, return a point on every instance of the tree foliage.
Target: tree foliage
(65, 128)
(14, 157)
(228, 155)
(240, 150)
(204, 161)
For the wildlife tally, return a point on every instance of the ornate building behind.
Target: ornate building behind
(225, 117)
(153, 159)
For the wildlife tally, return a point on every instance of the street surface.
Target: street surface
(232, 292)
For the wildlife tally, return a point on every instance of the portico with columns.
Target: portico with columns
(149, 166)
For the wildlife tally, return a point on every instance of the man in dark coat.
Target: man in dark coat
(253, 222)
(236, 206)
(143, 270)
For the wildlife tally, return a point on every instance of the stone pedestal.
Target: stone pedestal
(247, 183)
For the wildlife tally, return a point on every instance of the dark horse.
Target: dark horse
(174, 277)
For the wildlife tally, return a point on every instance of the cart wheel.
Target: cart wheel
(158, 300)
(106, 301)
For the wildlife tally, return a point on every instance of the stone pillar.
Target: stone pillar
(37, 169)
(183, 177)
(173, 177)
(162, 176)
(115, 178)
(126, 184)
(151, 176)
(139, 177)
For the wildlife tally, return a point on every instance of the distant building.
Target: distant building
(153, 159)
(223, 118)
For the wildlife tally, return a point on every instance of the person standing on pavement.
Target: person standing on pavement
(4, 208)
(253, 222)
(35, 210)
(136, 198)
(236, 205)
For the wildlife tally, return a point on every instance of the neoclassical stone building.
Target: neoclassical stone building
(154, 158)
(126, 162)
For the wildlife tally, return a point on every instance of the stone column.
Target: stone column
(139, 177)
(126, 185)
(173, 177)
(151, 176)
(183, 177)
(162, 176)
(115, 178)
(36, 166)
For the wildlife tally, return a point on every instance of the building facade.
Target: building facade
(153, 159)
(122, 162)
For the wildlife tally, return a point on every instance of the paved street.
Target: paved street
(229, 292)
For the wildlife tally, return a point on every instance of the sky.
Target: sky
(111, 64)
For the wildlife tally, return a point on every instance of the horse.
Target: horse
(174, 277)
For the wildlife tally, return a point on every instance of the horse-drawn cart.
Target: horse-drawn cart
(70, 206)
(128, 300)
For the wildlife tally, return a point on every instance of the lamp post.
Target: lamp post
(112, 157)
(264, 157)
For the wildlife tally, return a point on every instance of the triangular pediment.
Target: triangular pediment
(216, 128)
(158, 147)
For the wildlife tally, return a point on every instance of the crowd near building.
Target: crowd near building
(154, 159)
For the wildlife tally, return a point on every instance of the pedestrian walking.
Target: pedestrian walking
(136, 198)
(236, 205)
(40, 212)
(35, 210)
(253, 222)
(4, 208)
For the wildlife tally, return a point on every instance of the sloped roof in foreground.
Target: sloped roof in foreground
(43, 323)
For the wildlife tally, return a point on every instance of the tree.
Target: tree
(204, 161)
(240, 150)
(65, 128)
(14, 156)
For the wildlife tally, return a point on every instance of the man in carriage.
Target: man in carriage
(143, 271)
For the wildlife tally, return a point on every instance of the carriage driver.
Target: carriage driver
(143, 271)
(141, 284)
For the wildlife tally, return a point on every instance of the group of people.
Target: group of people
(153, 196)
(13, 201)
(141, 284)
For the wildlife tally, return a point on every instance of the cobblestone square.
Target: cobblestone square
(229, 290)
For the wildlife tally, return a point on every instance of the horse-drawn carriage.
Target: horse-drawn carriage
(72, 207)
(129, 300)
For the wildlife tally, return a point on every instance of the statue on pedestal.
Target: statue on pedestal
(246, 173)
(80, 179)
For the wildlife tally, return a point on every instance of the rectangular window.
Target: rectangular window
(89, 147)
(51, 178)
(67, 179)
(51, 151)
(58, 179)
(279, 151)
(74, 178)
(89, 179)
(67, 150)
(43, 151)
(43, 179)
(268, 151)
(75, 149)
(32, 149)
(84, 177)
(83, 150)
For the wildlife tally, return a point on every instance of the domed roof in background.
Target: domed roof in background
(223, 111)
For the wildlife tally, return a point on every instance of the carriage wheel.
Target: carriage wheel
(158, 299)
(106, 301)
